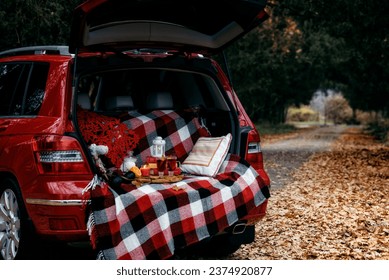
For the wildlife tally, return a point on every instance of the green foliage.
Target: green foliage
(379, 129)
(266, 69)
(340, 45)
(35, 22)
(359, 61)
(267, 128)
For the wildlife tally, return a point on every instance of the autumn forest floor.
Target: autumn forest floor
(333, 203)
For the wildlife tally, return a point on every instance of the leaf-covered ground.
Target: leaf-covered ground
(335, 207)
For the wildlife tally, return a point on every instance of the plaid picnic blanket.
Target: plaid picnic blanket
(151, 221)
(180, 130)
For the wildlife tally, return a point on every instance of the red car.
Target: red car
(118, 54)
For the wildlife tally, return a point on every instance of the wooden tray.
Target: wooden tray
(157, 180)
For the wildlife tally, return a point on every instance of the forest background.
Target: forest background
(307, 51)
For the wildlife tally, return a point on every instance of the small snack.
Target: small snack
(143, 180)
(177, 188)
(152, 179)
(161, 181)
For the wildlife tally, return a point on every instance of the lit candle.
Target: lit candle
(145, 170)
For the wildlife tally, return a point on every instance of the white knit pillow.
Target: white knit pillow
(207, 155)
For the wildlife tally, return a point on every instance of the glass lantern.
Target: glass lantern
(158, 148)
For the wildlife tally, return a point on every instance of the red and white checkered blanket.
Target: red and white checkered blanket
(180, 130)
(151, 221)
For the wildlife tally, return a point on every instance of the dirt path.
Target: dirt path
(282, 158)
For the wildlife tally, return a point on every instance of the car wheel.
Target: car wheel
(12, 220)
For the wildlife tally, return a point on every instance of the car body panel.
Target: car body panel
(18, 135)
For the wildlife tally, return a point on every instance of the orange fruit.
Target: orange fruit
(136, 171)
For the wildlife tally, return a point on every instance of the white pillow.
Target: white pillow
(207, 155)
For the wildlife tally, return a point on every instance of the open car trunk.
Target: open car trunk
(124, 106)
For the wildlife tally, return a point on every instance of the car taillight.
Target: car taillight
(59, 155)
(254, 152)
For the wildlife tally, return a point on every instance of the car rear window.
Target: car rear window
(188, 89)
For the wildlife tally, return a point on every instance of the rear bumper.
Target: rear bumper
(60, 211)
(53, 219)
